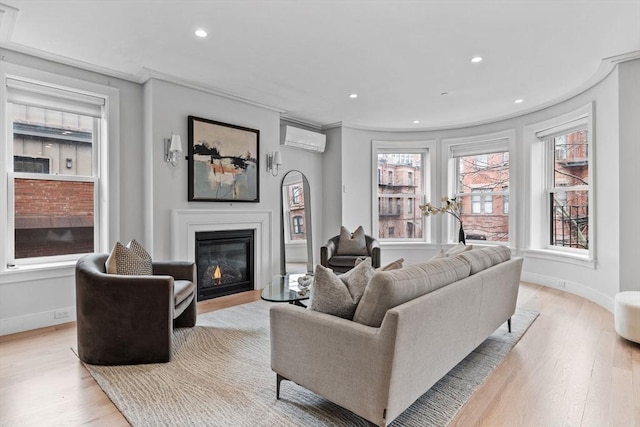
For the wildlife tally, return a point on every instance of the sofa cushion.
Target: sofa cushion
(344, 260)
(481, 259)
(182, 289)
(339, 295)
(388, 289)
(352, 244)
(123, 260)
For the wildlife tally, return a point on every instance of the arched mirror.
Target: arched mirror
(296, 247)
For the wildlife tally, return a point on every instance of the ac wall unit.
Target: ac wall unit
(304, 139)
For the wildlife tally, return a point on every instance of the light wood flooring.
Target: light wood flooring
(569, 369)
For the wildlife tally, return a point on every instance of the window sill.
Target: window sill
(27, 273)
(408, 245)
(559, 256)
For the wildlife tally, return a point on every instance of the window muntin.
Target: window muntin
(568, 189)
(298, 222)
(53, 184)
(403, 188)
(482, 185)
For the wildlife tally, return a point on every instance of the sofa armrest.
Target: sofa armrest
(341, 360)
(373, 248)
(179, 270)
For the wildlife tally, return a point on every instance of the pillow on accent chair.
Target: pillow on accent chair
(129, 261)
(352, 244)
(139, 250)
(339, 295)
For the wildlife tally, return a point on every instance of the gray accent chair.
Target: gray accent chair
(344, 263)
(128, 320)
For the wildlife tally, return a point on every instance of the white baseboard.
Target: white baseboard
(571, 287)
(12, 325)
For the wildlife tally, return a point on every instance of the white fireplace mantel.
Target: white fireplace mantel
(186, 222)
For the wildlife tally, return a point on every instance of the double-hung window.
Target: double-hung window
(560, 203)
(55, 135)
(401, 180)
(479, 176)
(567, 184)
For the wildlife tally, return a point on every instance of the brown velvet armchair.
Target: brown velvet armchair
(127, 320)
(344, 263)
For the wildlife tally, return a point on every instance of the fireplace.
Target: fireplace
(224, 262)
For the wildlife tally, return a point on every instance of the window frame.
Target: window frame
(106, 169)
(538, 208)
(483, 144)
(428, 150)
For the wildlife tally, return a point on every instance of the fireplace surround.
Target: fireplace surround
(186, 222)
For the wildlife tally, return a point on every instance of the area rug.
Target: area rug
(220, 376)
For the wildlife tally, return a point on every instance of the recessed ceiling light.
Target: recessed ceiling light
(476, 59)
(519, 101)
(353, 95)
(415, 122)
(201, 33)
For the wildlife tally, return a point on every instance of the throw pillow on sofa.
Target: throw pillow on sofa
(352, 244)
(456, 250)
(124, 260)
(339, 295)
(393, 265)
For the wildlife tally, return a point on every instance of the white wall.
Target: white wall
(629, 175)
(599, 284)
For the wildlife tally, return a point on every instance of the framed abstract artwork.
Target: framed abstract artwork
(223, 162)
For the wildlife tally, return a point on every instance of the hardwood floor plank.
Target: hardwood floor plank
(569, 369)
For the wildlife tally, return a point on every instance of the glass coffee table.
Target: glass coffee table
(285, 289)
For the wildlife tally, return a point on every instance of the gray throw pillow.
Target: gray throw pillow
(352, 244)
(339, 295)
(123, 260)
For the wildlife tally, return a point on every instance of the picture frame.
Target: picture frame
(223, 162)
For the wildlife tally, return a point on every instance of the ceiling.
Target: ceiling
(407, 60)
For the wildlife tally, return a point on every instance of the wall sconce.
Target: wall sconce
(274, 161)
(172, 149)
(69, 163)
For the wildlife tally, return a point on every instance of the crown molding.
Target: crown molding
(301, 122)
(146, 74)
(63, 60)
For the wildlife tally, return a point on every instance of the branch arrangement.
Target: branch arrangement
(450, 206)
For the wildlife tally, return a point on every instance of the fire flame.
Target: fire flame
(217, 274)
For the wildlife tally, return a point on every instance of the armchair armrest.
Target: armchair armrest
(341, 360)
(327, 251)
(179, 270)
(112, 309)
(373, 247)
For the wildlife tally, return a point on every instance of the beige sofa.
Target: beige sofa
(419, 322)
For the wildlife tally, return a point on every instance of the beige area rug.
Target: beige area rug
(220, 376)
